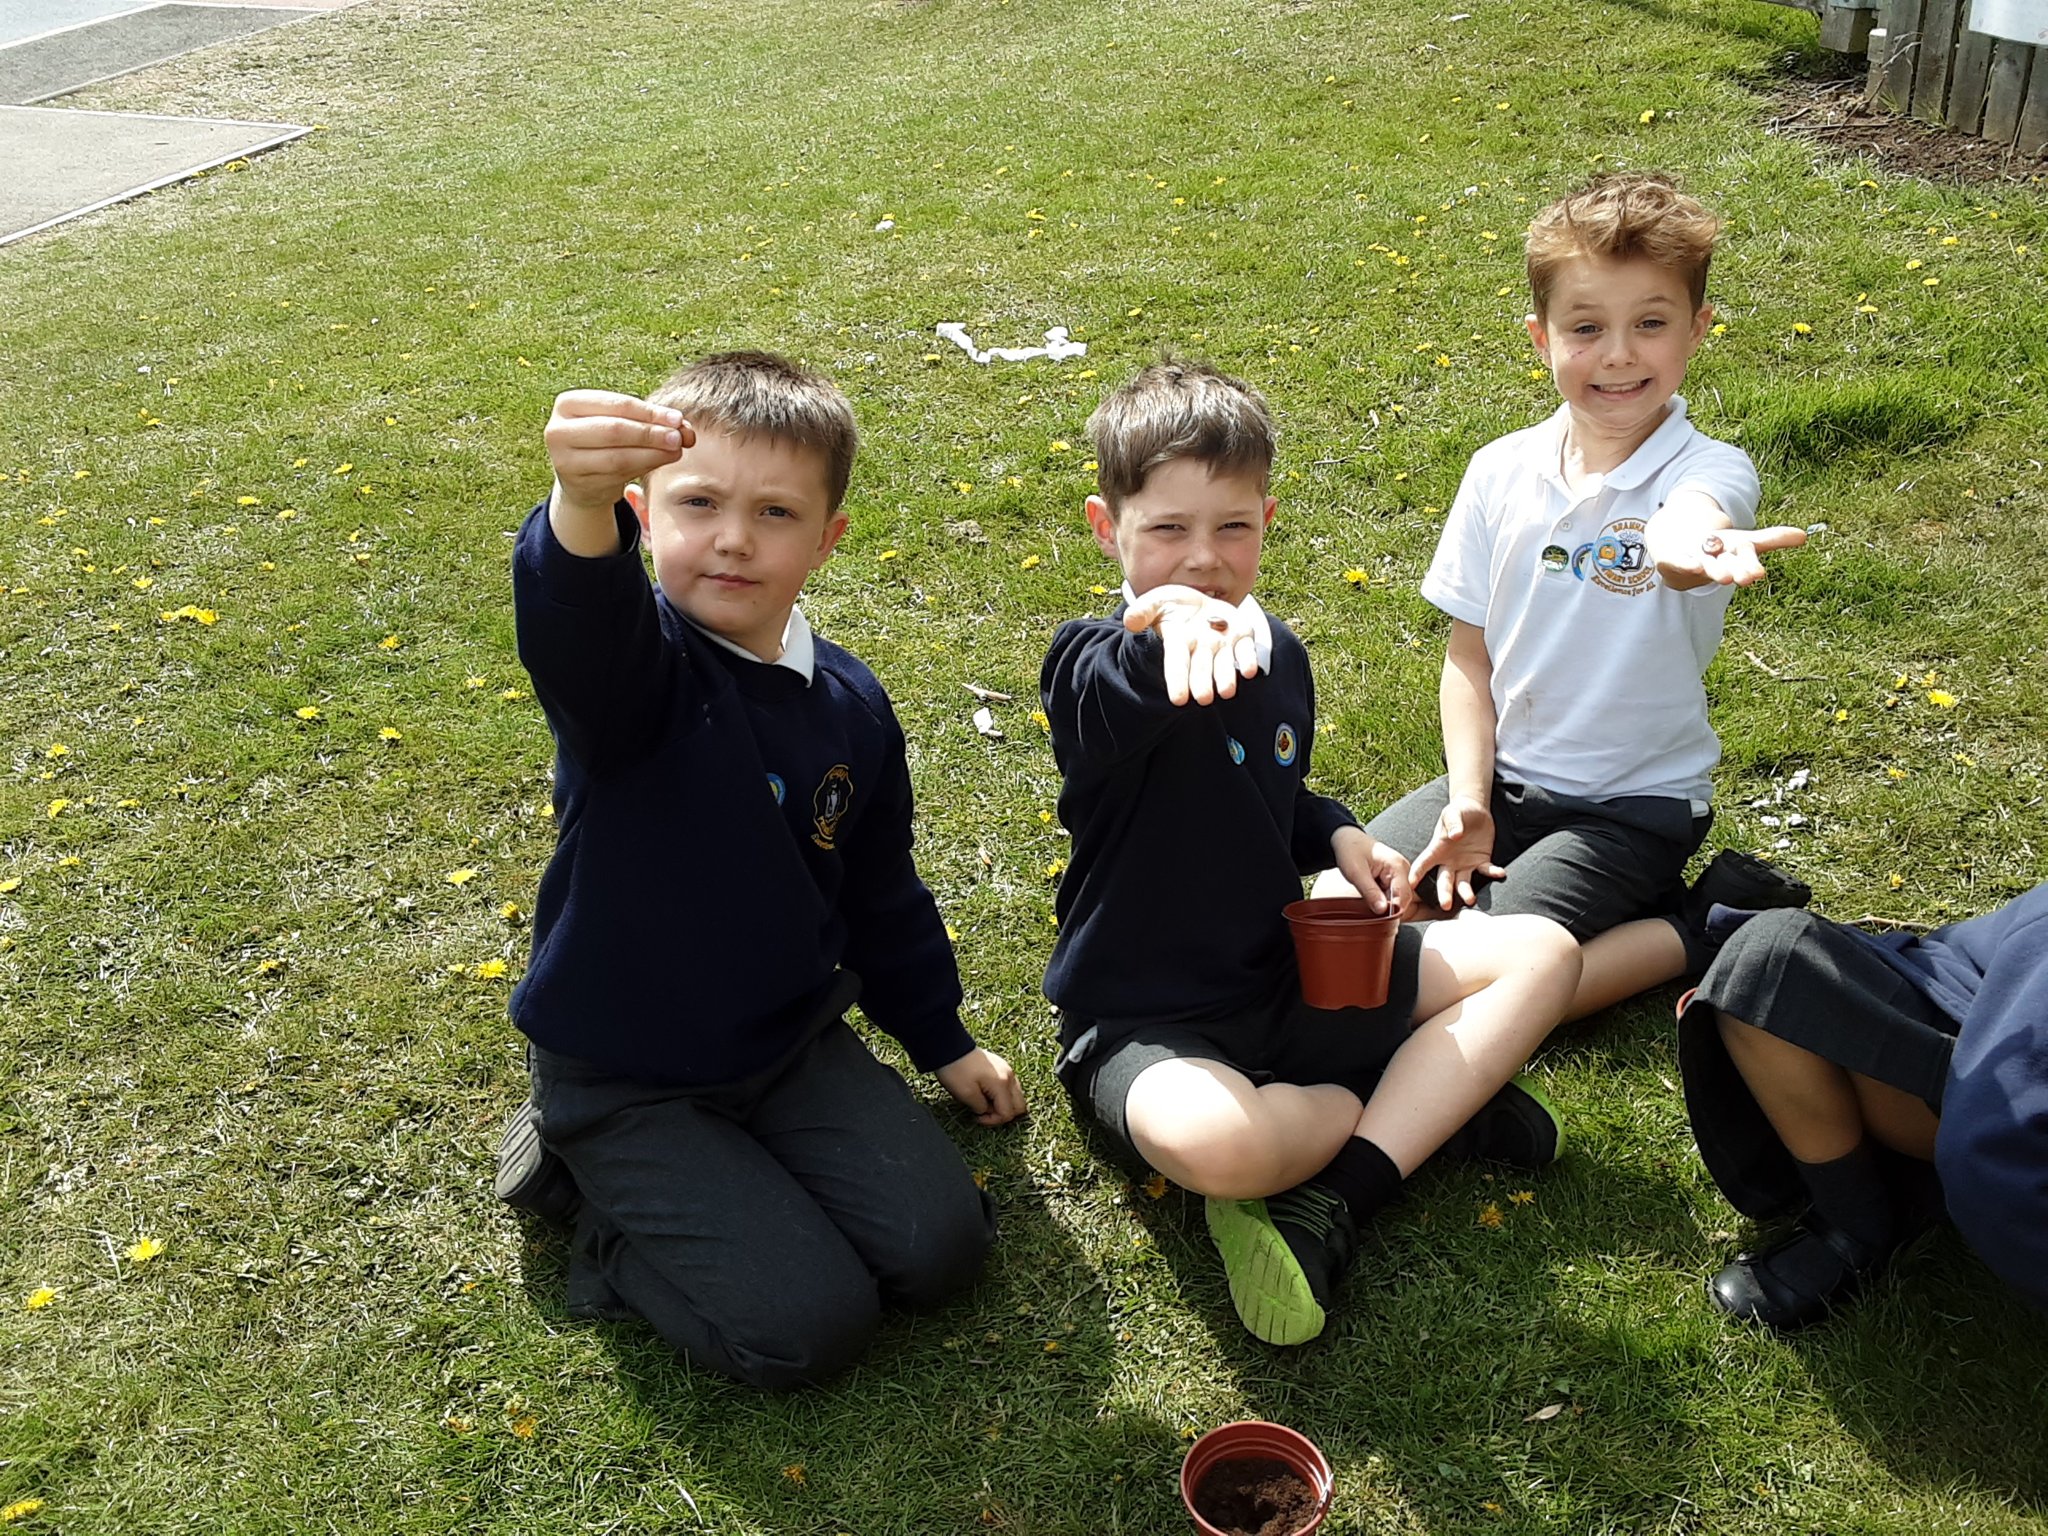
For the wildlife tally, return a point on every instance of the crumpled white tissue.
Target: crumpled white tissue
(1057, 346)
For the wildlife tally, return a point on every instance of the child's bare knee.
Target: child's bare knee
(1233, 1165)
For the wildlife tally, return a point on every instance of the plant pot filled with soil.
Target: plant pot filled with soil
(1255, 1479)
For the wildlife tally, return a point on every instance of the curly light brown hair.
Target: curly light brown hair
(1626, 216)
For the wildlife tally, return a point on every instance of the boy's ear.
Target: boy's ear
(1700, 322)
(1103, 521)
(835, 530)
(636, 498)
(1539, 335)
(1272, 506)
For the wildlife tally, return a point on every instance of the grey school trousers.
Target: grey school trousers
(761, 1226)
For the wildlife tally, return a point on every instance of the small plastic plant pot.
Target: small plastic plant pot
(1346, 953)
(1254, 1440)
(1685, 1002)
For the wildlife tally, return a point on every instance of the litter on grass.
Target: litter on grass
(1058, 346)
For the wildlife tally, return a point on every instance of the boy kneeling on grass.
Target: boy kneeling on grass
(1182, 725)
(1825, 1068)
(733, 870)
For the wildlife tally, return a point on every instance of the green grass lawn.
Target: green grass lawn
(276, 789)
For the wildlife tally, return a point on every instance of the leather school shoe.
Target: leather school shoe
(1518, 1126)
(530, 1177)
(1284, 1257)
(1798, 1280)
(1736, 879)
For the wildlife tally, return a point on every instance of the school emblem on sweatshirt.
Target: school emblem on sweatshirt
(828, 805)
(777, 788)
(1285, 745)
(1236, 750)
(1617, 560)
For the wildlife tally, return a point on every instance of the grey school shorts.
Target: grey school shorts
(1279, 1040)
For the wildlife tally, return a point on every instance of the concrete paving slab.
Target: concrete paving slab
(86, 160)
(23, 19)
(61, 62)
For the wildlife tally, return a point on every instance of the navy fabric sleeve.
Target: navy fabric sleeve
(1106, 691)
(590, 638)
(1992, 1148)
(895, 940)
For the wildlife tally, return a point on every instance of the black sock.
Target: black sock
(1850, 1193)
(1362, 1176)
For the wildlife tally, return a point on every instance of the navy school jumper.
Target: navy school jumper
(727, 838)
(1192, 827)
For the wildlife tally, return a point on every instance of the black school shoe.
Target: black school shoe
(1798, 1280)
(1518, 1126)
(530, 1177)
(1736, 879)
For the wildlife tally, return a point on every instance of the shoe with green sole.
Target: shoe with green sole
(1284, 1256)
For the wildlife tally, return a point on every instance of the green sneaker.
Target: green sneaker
(1518, 1126)
(1284, 1256)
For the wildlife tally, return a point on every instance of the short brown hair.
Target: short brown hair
(761, 394)
(1623, 216)
(1179, 410)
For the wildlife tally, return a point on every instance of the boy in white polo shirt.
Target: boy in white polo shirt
(1586, 566)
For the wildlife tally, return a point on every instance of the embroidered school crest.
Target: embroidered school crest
(1285, 745)
(777, 788)
(1236, 750)
(1617, 561)
(829, 804)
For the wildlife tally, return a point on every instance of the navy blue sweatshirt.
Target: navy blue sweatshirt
(728, 837)
(1990, 974)
(1192, 827)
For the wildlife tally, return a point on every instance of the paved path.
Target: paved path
(63, 162)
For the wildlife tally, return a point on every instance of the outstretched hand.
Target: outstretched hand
(1374, 870)
(1733, 556)
(599, 442)
(1461, 848)
(1209, 644)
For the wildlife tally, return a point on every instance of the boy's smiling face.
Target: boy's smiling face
(1188, 527)
(736, 525)
(1617, 336)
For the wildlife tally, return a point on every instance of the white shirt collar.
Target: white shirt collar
(798, 653)
(1651, 455)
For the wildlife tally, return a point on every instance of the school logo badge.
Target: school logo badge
(1236, 750)
(1616, 561)
(777, 788)
(830, 802)
(1285, 745)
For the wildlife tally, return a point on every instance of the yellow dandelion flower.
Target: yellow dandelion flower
(981, 1178)
(1648, 115)
(889, 554)
(390, 733)
(1060, 445)
(58, 806)
(10, 885)
(795, 1473)
(1055, 868)
(511, 695)
(459, 876)
(1914, 265)
(1896, 773)
(1523, 1197)
(145, 1250)
(1052, 1346)
(526, 1424)
(1155, 1187)
(308, 711)
(1356, 577)
(455, 1423)
(1941, 698)
(510, 912)
(473, 682)
(1930, 282)
(1028, 563)
(39, 1298)
(1720, 328)
(389, 643)
(248, 501)
(56, 749)
(1490, 1216)
(1040, 719)
(343, 469)
(489, 970)
(1896, 881)
(269, 967)
(1801, 328)
(21, 1509)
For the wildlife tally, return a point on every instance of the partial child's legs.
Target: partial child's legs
(760, 1230)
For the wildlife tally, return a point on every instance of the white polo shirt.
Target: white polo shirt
(1597, 665)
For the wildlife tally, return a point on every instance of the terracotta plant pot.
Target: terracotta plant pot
(1346, 954)
(1253, 1441)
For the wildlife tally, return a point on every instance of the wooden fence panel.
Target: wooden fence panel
(1931, 68)
(2033, 137)
(1902, 47)
(2005, 99)
(1966, 85)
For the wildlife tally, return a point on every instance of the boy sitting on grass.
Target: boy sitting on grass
(1826, 1067)
(1183, 726)
(733, 870)
(1586, 566)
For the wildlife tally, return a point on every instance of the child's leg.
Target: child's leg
(851, 1132)
(1490, 992)
(1819, 1110)
(1624, 961)
(1210, 1129)
(691, 1224)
